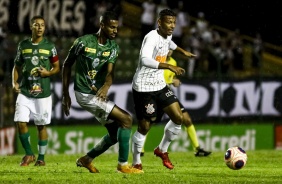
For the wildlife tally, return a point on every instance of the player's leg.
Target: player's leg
(104, 144)
(21, 118)
(173, 127)
(42, 144)
(145, 109)
(138, 141)
(171, 107)
(107, 112)
(191, 131)
(143, 148)
(123, 137)
(42, 118)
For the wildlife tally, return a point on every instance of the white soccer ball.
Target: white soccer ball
(235, 158)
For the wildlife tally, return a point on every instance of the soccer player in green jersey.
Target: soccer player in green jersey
(36, 61)
(95, 56)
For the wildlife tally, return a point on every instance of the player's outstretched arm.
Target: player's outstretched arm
(184, 52)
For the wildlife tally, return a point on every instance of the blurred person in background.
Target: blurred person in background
(147, 17)
(36, 61)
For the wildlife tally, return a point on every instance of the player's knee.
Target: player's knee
(126, 121)
(143, 126)
(179, 119)
(187, 122)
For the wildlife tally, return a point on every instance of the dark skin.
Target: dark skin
(108, 30)
(166, 26)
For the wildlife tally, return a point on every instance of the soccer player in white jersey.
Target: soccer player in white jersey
(152, 97)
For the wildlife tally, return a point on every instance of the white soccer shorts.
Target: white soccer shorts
(39, 108)
(99, 108)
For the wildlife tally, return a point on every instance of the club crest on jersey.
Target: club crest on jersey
(150, 109)
(35, 60)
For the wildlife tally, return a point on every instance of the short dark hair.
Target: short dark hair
(36, 17)
(166, 12)
(107, 16)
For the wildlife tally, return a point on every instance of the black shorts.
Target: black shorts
(151, 104)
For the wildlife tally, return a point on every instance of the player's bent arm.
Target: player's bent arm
(15, 77)
(66, 73)
(55, 68)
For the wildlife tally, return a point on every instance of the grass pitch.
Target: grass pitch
(262, 167)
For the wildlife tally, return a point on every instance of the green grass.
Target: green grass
(262, 167)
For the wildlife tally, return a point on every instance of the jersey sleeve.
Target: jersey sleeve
(77, 46)
(172, 45)
(54, 55)
(18, 59)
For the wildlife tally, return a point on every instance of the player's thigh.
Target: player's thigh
(22, 110)
(145, 105)
(174, 112)
(43, 111)
(99, 108)
(120, 116)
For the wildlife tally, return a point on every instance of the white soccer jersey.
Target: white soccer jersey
(156, 47)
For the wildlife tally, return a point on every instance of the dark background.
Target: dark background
(248, 16)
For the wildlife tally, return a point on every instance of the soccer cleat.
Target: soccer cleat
(202, 153)
(164, 156)
(83, 162)
(39, 163)
(27, 159)
(138, 166)
(127, 169)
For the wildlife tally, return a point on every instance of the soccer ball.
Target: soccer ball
(235, 158)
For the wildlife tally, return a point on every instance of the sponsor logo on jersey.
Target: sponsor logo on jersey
(169, 93)
(105, 54)
(43, 51)
(161, 59)
(87, 49)
(25, 51)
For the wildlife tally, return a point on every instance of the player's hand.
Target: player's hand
(189, 54)
(176, 69)
(102, 93)
(176, 82)
(66, 103)
(43, 72)
(16, 87)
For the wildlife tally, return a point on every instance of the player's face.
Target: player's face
(110, 29)
(166, 25)
(38, 27)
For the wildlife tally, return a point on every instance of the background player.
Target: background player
(36, 61)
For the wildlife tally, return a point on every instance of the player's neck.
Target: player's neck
(101, 38)
(35, 39)
(162, 35)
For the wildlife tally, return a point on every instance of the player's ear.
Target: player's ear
(159, 22)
